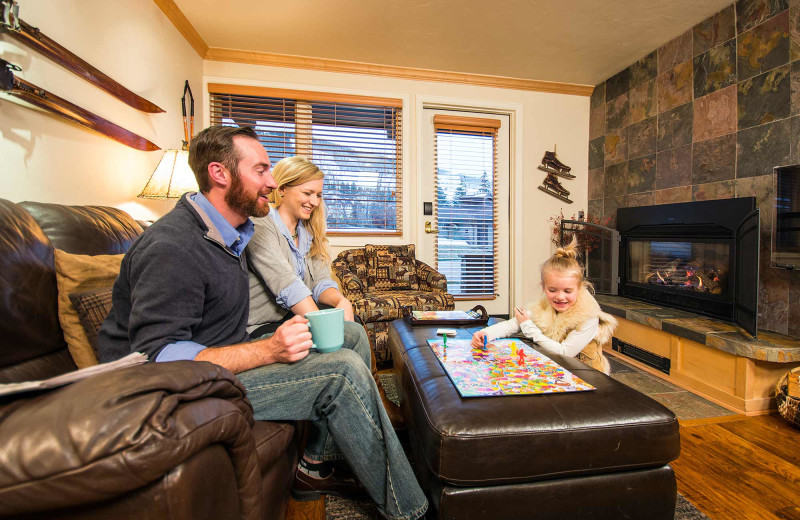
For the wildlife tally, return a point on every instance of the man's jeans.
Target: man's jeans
(337, 393)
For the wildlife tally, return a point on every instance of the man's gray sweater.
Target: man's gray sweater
(177, 282)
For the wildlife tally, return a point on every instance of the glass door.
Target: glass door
(464, 205)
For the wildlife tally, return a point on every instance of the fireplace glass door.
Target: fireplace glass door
(699, 268)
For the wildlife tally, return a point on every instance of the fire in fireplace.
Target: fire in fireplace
(697, 256)
(687, 266)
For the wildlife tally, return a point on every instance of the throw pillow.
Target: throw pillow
(77, 274)
(92, 308)
(391, 268)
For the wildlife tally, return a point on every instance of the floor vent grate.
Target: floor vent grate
(648, 358)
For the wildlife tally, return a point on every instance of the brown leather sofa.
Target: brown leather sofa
(155, 441)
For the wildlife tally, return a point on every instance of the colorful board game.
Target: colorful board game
(503, 367)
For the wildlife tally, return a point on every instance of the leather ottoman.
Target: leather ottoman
(598, 454)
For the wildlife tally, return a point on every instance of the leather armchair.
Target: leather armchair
(160, 440)
(382, 282)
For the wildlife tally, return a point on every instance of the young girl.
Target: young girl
(567, 320)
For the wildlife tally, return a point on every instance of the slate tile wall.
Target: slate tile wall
(707, 116)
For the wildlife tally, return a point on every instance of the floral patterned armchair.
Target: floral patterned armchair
(380, 281)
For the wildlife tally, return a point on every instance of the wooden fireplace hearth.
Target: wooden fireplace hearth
(712, 358)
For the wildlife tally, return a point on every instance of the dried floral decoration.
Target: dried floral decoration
(587, 242)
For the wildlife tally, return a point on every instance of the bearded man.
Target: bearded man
(183, 294)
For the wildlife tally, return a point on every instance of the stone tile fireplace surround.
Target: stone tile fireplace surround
(707, 116)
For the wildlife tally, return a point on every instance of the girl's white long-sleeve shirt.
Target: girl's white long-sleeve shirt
(572, 345)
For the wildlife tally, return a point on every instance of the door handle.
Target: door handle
(429, 229)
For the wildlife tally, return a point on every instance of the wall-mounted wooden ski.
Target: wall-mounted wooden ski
(38, 97)
(34, 38)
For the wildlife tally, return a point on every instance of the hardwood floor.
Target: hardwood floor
(740, 467)
(731, 468)
(314, 510)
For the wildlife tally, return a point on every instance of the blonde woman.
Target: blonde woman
(290, 264)
(288, 255)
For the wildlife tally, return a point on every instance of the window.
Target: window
(465, 152)
(355, 140)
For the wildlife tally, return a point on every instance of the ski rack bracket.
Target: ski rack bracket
(10, 15)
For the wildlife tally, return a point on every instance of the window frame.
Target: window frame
(305, 98)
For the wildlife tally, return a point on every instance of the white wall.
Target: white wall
(50, 160)
(546, 119)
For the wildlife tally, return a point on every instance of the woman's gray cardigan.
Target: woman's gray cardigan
(274, 284)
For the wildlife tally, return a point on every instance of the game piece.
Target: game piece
(484, 342)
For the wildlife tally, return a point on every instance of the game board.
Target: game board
(503, 367)
(442, 315)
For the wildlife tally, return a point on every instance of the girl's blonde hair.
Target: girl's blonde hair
(565, 260)
(294, 171)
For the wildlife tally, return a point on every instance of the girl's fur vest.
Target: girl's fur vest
(557, 325)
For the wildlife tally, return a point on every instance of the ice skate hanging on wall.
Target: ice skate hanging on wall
(551, 164)
(554, 169)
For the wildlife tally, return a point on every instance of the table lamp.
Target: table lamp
(173, 177)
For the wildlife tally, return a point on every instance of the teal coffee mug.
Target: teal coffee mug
(327, 329)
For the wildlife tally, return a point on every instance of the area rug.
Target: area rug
(342, 509)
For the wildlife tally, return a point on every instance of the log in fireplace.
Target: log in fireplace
(697, 256)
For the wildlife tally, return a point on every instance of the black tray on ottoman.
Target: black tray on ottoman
(598, 454)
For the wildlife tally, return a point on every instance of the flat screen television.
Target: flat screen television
(786, 217)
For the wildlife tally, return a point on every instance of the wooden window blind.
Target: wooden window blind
(355, 140)
(465, 180)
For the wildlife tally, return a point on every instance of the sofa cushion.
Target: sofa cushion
(85, 230)
(92, 308)
(77, 274)
(388, 305)
(272, 440)
(391, 268)
(27, 296)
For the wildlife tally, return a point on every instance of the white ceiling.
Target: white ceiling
(570, 41)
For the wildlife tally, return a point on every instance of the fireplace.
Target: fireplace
(697, 256)
(684, 266)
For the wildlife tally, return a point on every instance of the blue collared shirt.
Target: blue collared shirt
(297, 290)
(235, 239)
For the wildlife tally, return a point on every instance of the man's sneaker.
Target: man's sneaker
(340, 483)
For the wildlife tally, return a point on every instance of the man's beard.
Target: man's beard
(238, 199)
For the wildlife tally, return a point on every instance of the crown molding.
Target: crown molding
(179, 20)
(372, 69)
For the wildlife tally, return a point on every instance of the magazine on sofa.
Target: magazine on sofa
(130, 360)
